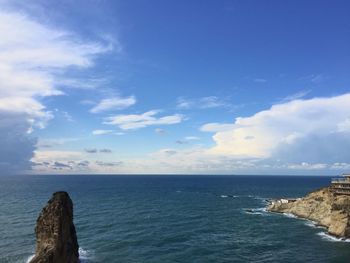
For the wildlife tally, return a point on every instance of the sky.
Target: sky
(175, 87)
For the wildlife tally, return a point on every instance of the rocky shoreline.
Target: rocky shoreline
(322, 206)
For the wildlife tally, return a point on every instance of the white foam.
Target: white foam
(310, 223)
(330, 238)
(83, 254)
(256, 211)
(231, 196)
(30, 258)
(290, 215)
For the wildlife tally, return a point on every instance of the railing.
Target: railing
(339, 191)
(340, 180)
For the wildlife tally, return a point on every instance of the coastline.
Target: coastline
(322, 207)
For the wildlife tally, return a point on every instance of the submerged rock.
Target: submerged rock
(56, 240)
(322, 206)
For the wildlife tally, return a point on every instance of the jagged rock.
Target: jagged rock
(323, 207)
(56, 240)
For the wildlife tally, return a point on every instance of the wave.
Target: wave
(84, 256)
(289, 215)
(256, 211)
(231, 196)
(30, 258)
(330, 238)
(263, 200)
(310, 223)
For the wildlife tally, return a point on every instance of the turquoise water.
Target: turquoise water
(169, 219)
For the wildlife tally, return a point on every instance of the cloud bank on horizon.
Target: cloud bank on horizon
(74, 101)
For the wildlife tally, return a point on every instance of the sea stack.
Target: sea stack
(328, 207)
(56, 240)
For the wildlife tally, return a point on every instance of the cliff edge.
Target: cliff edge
(322, 206)
(56, 239)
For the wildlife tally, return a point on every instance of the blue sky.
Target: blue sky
(227, 87)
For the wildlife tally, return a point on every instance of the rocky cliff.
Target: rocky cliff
(322, 206)
(56, 240)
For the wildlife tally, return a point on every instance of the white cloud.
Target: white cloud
(216, 127)
(30, 55)
(200, 103)
(317, 78)
(297, 137)
(344, 126)
(115, 103)
(295, 96)
(47, 156)
(136, 121)
(67, 116)
(341, 166)
(307, 166)
(284, 125)
(101, 132)
(33, 60)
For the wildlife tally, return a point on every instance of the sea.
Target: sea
(168, 218)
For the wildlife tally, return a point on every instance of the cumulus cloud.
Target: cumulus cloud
(296, 137)
(30, 55)
(115, 103)
(137, 121)
(33, 59)
(302, 129)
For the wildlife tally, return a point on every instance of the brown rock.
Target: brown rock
(323, 207)
(56, 240)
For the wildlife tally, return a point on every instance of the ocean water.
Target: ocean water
(170, 219)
